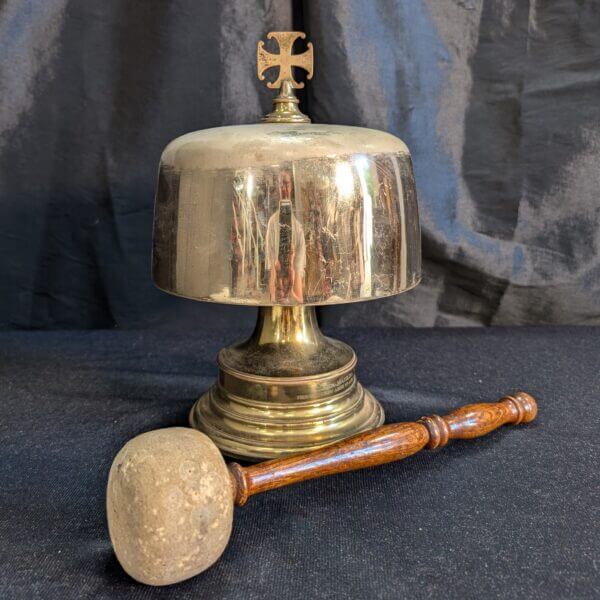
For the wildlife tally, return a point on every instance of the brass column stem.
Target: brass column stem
(295, 325)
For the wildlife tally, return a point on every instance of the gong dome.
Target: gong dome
(286, 214)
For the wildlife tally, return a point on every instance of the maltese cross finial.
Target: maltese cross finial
(285, 60)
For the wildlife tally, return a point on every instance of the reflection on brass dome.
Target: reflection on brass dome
(350, 192)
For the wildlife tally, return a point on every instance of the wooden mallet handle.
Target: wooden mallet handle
(385, 444)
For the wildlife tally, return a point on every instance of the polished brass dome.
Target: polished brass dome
(350, 193)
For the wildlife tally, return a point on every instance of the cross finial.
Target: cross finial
(285, 60)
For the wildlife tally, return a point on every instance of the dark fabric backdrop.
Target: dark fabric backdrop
(497, 100)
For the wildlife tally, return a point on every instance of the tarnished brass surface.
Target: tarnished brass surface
(285, 60)
(286, 215)
(285, 390)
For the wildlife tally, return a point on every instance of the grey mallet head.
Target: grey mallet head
(169, 505)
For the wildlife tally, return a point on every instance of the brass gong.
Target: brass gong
(286, 215)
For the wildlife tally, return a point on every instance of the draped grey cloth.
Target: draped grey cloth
(499, 102)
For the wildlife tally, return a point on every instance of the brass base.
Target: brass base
(287, 389)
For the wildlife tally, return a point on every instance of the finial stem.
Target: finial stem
(285, 107)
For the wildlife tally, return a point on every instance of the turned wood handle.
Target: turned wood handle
(385, 444)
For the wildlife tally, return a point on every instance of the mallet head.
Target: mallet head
(169, 505)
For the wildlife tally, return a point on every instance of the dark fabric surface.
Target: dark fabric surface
(498, 102)
(512, 515)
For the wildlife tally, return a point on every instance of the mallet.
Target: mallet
(170, 495)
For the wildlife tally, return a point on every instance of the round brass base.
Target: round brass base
(274, 398)
(247, 429)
